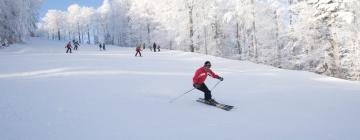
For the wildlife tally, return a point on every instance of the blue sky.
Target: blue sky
(63, 4)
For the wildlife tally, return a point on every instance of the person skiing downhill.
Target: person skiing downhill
(200, 77)
(68, 46)
(103, 47)
(138, 49)
(76, 44)
(154, 47)
(100, 46)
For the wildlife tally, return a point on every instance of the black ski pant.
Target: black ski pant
(204, 88)
(138, 52)
(69, 49)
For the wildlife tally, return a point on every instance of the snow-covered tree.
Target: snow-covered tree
(18, 19)
(53, 23)
(324, 37)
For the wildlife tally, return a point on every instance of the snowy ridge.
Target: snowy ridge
(92, 95)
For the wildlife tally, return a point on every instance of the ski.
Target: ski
(218, 105)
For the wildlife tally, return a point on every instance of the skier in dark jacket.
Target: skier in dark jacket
(100, 46)
(104, 46)
(154, 47)
(76, 44)
(200, 77)
(68, 46)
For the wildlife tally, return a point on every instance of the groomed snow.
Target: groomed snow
(46, 94)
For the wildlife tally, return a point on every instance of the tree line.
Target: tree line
(321, 36)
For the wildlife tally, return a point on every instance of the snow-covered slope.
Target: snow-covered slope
(46, 94)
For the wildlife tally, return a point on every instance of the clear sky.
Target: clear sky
(64, 4)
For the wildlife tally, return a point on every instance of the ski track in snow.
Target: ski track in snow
(68, 72)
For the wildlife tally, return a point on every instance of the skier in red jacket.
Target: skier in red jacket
(138, 49)
(68, 46)
(200, 77)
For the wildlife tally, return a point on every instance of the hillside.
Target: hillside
(91, 95)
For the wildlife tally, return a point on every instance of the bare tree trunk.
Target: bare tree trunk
(291, 14)
(69, 35)
(82, 36)
(245, 42)
(254, 39)
(357, 60)
(238, 45)
(59, 35)
(148, 34)
(96, 40)
(336, 56)
(88, 34)
(277, 47)
(79, 33)
(191, 26)
(170, 45)
(205, 40)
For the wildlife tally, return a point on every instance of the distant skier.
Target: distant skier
(154, 47)
(4, 43)
(76, 44)
(68, 46)
(138, 49)
(158, 47)
(100, 46)
(200, 77)
(104, 48)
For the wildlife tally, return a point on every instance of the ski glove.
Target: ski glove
(220, 78)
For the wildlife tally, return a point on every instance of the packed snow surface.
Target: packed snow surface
(46, 94)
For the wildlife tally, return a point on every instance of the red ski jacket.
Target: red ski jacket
(68, 45)
(201, 74)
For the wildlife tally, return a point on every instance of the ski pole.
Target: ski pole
(171, 101)
(215, 86)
